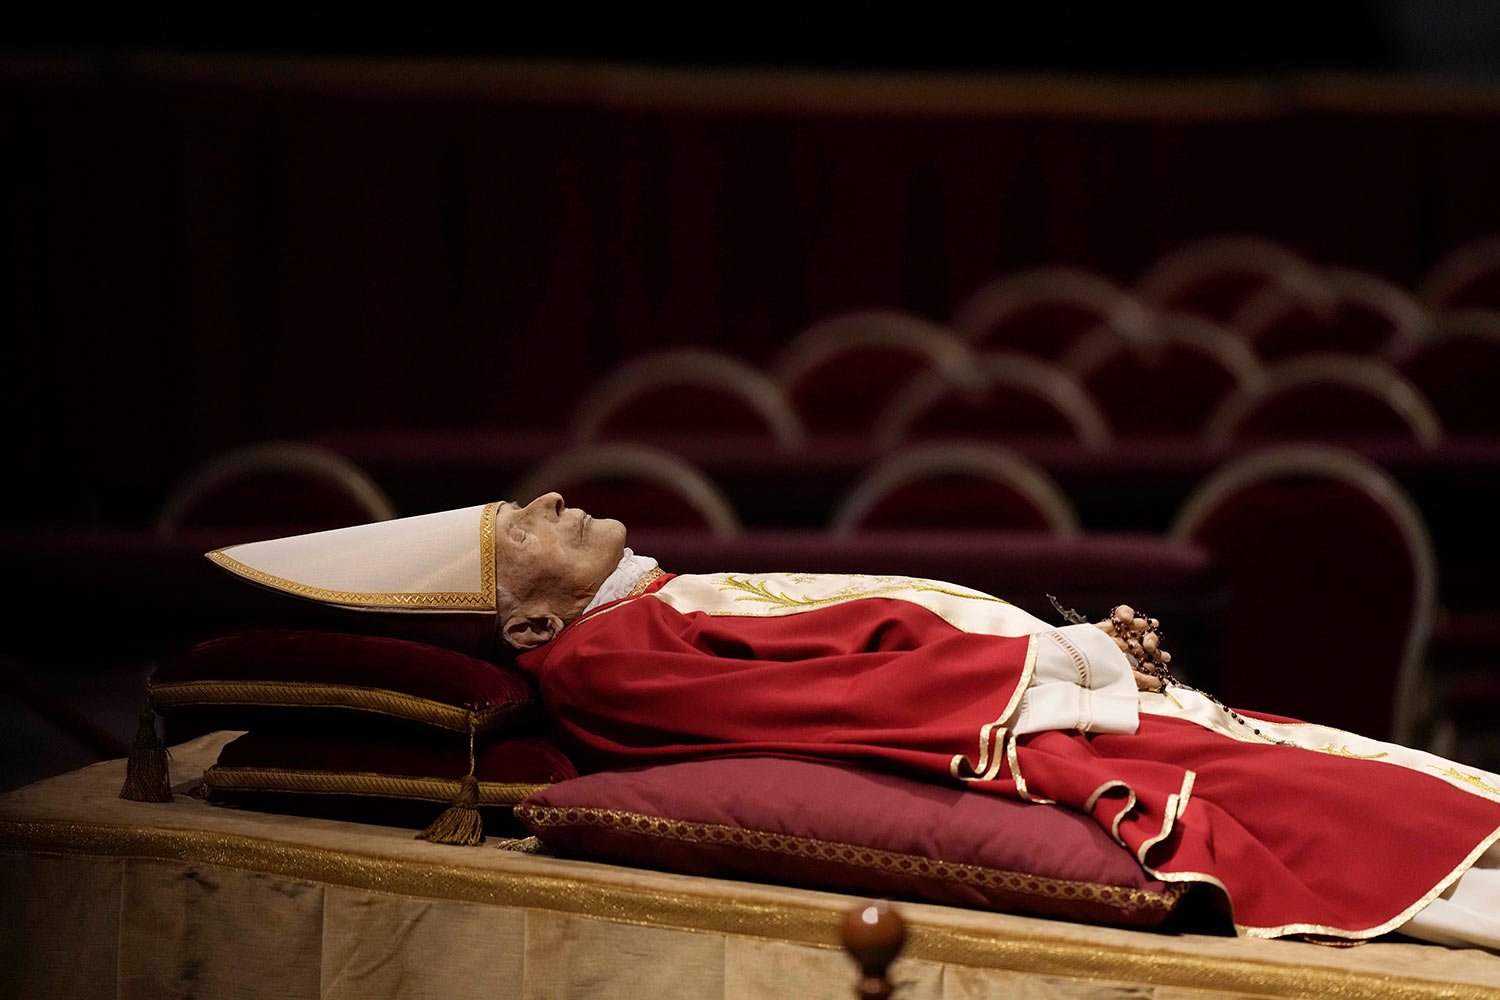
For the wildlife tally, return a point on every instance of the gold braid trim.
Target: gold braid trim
(395, 786)
(647, 579)
(462, 600)
(1019, 883)
(302, 694)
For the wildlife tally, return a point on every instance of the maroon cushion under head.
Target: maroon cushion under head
(833, 827)
(330, 670)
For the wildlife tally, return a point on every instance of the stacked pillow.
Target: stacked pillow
(336, 719)
(333, 717)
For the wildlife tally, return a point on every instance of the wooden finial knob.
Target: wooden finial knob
(873, 935)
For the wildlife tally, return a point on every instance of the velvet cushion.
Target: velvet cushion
(827, 826)
(507, 770)
(238, 675)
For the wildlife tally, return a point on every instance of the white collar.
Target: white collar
(619, 583)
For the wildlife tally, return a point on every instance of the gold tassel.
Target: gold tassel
(146, 778)
(460, 823)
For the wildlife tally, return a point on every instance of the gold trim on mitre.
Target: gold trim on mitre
(481, 600)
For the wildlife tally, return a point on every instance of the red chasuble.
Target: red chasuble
(1338, 836)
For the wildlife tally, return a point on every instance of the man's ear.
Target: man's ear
(529, 628)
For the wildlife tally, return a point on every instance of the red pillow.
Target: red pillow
(285, 763)
(240, 676)
(833, 827)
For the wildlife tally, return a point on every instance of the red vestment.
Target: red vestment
(1325, 841)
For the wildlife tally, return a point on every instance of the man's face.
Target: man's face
(555, 556)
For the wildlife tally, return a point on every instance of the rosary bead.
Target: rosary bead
(1150, 642)
(1153, 623)
(1165, 656)
(1124, 614)
(1138, 624)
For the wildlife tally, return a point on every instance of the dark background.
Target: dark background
(263, 224)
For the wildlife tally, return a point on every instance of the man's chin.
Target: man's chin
(608, 527)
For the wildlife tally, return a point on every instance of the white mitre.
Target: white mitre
(432, 562)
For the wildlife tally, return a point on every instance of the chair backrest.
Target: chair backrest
(1007, 395)
(690, 390)
(639, 485)
(1170, 386)
(1327, 396)
(1214, 277)
(1042, 311)
(956, 485)
(1469, 277)
(1334, 588)
(1458, 369)
(276, 484)
(840, 372)
(1338, 309)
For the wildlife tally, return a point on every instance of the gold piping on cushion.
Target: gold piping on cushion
(704, 905)
(395, 786)
(483, 600)
(853, 855)
(300, 694)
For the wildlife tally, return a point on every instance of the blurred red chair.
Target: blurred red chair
(1171, 385)
(840, 372)
(1333, 584)
(1458, 369)
(1469, 277)
(280, 485)
(1043, 311)
(1007, 395)
(1336, 310)
(1327, 396)
(1214, 277)
(690, 391)
(641, 486)
(956, 485)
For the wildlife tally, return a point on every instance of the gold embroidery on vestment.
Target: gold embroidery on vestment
(761, 593)
(1465, 777)
(1344, 751)
(647, 579)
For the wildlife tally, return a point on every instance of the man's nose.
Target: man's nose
(549, 502)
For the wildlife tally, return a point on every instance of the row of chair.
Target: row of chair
(885, 378)
(1251, 284)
